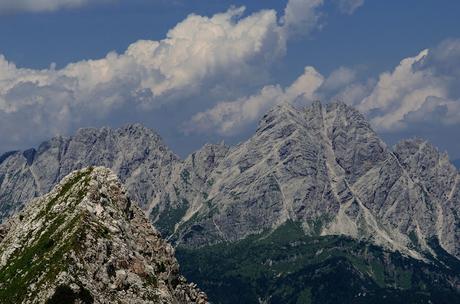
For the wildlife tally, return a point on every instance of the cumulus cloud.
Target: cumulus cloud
(199, 54)
(229, 117)
(7, 6)
(420, 88)
(147, 74)
(196, 52)
(301, 16)
(339, 78)
(343, 85)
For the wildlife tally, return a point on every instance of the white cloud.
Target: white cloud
(7, 6)
(199, 54)
(420, 88)
(193, 53)
(352, 94)
(339, 78)
(301, 16)
(349, 6)
(229, 117)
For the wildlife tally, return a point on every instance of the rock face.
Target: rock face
(85, 242)
(322, 166)
(136, 154)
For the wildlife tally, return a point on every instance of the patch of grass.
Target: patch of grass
(404, 279)
(304, 297)
(64, 191)
(317, 225)
(210, 182)
(40, 262)
(102, 232)
(151, 280)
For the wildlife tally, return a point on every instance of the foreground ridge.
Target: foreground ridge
(86, 242)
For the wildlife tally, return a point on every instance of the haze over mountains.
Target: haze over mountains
(321, 170)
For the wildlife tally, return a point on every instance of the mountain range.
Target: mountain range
(313, 189)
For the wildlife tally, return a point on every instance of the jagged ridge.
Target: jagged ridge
(86, 241)
(136, 154)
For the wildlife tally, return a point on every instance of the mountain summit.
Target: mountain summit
(324, 167)
(85, 242)
(135, 153)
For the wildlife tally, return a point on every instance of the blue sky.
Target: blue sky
(348, 53)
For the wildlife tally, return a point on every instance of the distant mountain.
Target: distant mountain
(321, 169)
(85, 242)
(135, 153)
(325, 168)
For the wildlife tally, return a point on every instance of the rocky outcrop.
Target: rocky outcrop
(86, 242)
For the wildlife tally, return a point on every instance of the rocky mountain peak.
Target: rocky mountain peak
(137, 154)
(280, 115)
(86, 242)
(322, 166)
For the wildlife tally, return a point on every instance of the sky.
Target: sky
(202, 71)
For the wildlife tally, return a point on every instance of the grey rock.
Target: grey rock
(88, 239)
(135, 153)
(325, 167)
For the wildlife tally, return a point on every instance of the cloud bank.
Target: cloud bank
(200, 51)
